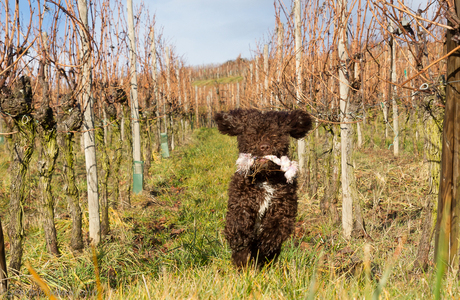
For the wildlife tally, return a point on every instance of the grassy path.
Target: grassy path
(170, 244)
(198, 262)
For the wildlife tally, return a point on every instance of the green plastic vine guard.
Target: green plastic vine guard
(138, 176)
(164, 145)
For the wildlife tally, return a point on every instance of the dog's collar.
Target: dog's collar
(246, 160)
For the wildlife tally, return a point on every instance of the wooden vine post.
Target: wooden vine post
(298, 55)
(153, 55)
(448, 222)
(280, 32)
(346, 129)
(197, 114)
(3, 268)
(137, 160)
(266, 80)
(394, 91)
(87, 102)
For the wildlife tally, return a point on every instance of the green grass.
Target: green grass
(170, 244)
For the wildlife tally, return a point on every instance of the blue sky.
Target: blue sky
(213, 31)
(209, 31)
(201, 31)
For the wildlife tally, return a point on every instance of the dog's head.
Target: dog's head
(264, 133)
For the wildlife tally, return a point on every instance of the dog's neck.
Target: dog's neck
(246, 160)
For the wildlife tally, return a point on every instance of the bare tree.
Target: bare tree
(49, 151)
(70, 121)
(16, 102)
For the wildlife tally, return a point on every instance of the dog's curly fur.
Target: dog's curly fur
(262, 206)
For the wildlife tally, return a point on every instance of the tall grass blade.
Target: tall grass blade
(387, 272)
(313, 288)
(440, 264)
(146, 287)
(96, 271)
(41, 283)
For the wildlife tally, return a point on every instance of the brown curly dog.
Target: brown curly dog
(262, 204)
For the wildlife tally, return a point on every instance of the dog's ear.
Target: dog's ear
(230, 122)
(298, 123)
